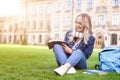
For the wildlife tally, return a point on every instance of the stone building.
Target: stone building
(42, 20)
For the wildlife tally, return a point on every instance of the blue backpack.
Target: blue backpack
(109, 59)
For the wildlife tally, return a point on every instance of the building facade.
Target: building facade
(42, 20)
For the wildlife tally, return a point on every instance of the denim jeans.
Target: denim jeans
(76, 59)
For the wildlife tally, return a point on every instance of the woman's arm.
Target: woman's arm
(67, 49)
(89, 47)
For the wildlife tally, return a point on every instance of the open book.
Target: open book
(52, 42)
(95, 72)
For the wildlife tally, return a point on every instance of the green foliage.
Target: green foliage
(22, 62)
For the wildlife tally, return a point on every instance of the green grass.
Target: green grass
(18, 62)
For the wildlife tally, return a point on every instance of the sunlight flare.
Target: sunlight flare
(9, 7)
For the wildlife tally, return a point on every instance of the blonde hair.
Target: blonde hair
(86, 23)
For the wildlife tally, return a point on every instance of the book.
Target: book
(52, 42)
(95, 72)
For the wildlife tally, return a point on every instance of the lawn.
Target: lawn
(20, 62)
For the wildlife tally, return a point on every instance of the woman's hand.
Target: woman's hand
(66, 48)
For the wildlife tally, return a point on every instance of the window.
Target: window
(68, 5)
(68, 21)
(10, 38)
(21, 25)
(34, 24)
(40, 38)
(90, 3)
(101, 20)
(115, 19)
(49, 8)
(29, 11)
(41, 24)
(58, 6)
(15, 27)
(28, 25)
(15, 38)
(99, 37)
(116, 2)
(21, 37)
(48, 23)
(78, 4)
(56, 36)
(10, 28)
(57, 22)
(34, 10)
(113, 39)
(41, 9)
(119, 36)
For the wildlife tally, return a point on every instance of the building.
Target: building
(42, 20)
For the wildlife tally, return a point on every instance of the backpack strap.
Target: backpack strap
(97, 66)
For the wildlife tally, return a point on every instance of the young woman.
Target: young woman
(79, 48)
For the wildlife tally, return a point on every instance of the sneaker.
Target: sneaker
(71, 71)
(60, 70)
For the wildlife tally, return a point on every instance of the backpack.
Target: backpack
(109, 59)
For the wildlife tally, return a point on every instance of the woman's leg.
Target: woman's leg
(77, 59)
(60, 55)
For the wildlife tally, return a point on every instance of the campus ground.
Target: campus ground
(21, 62)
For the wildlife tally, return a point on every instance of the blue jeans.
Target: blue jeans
(76, 59)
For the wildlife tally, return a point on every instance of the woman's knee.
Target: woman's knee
(56, 46)
(78, 52)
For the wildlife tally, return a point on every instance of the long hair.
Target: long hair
(86, 24)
